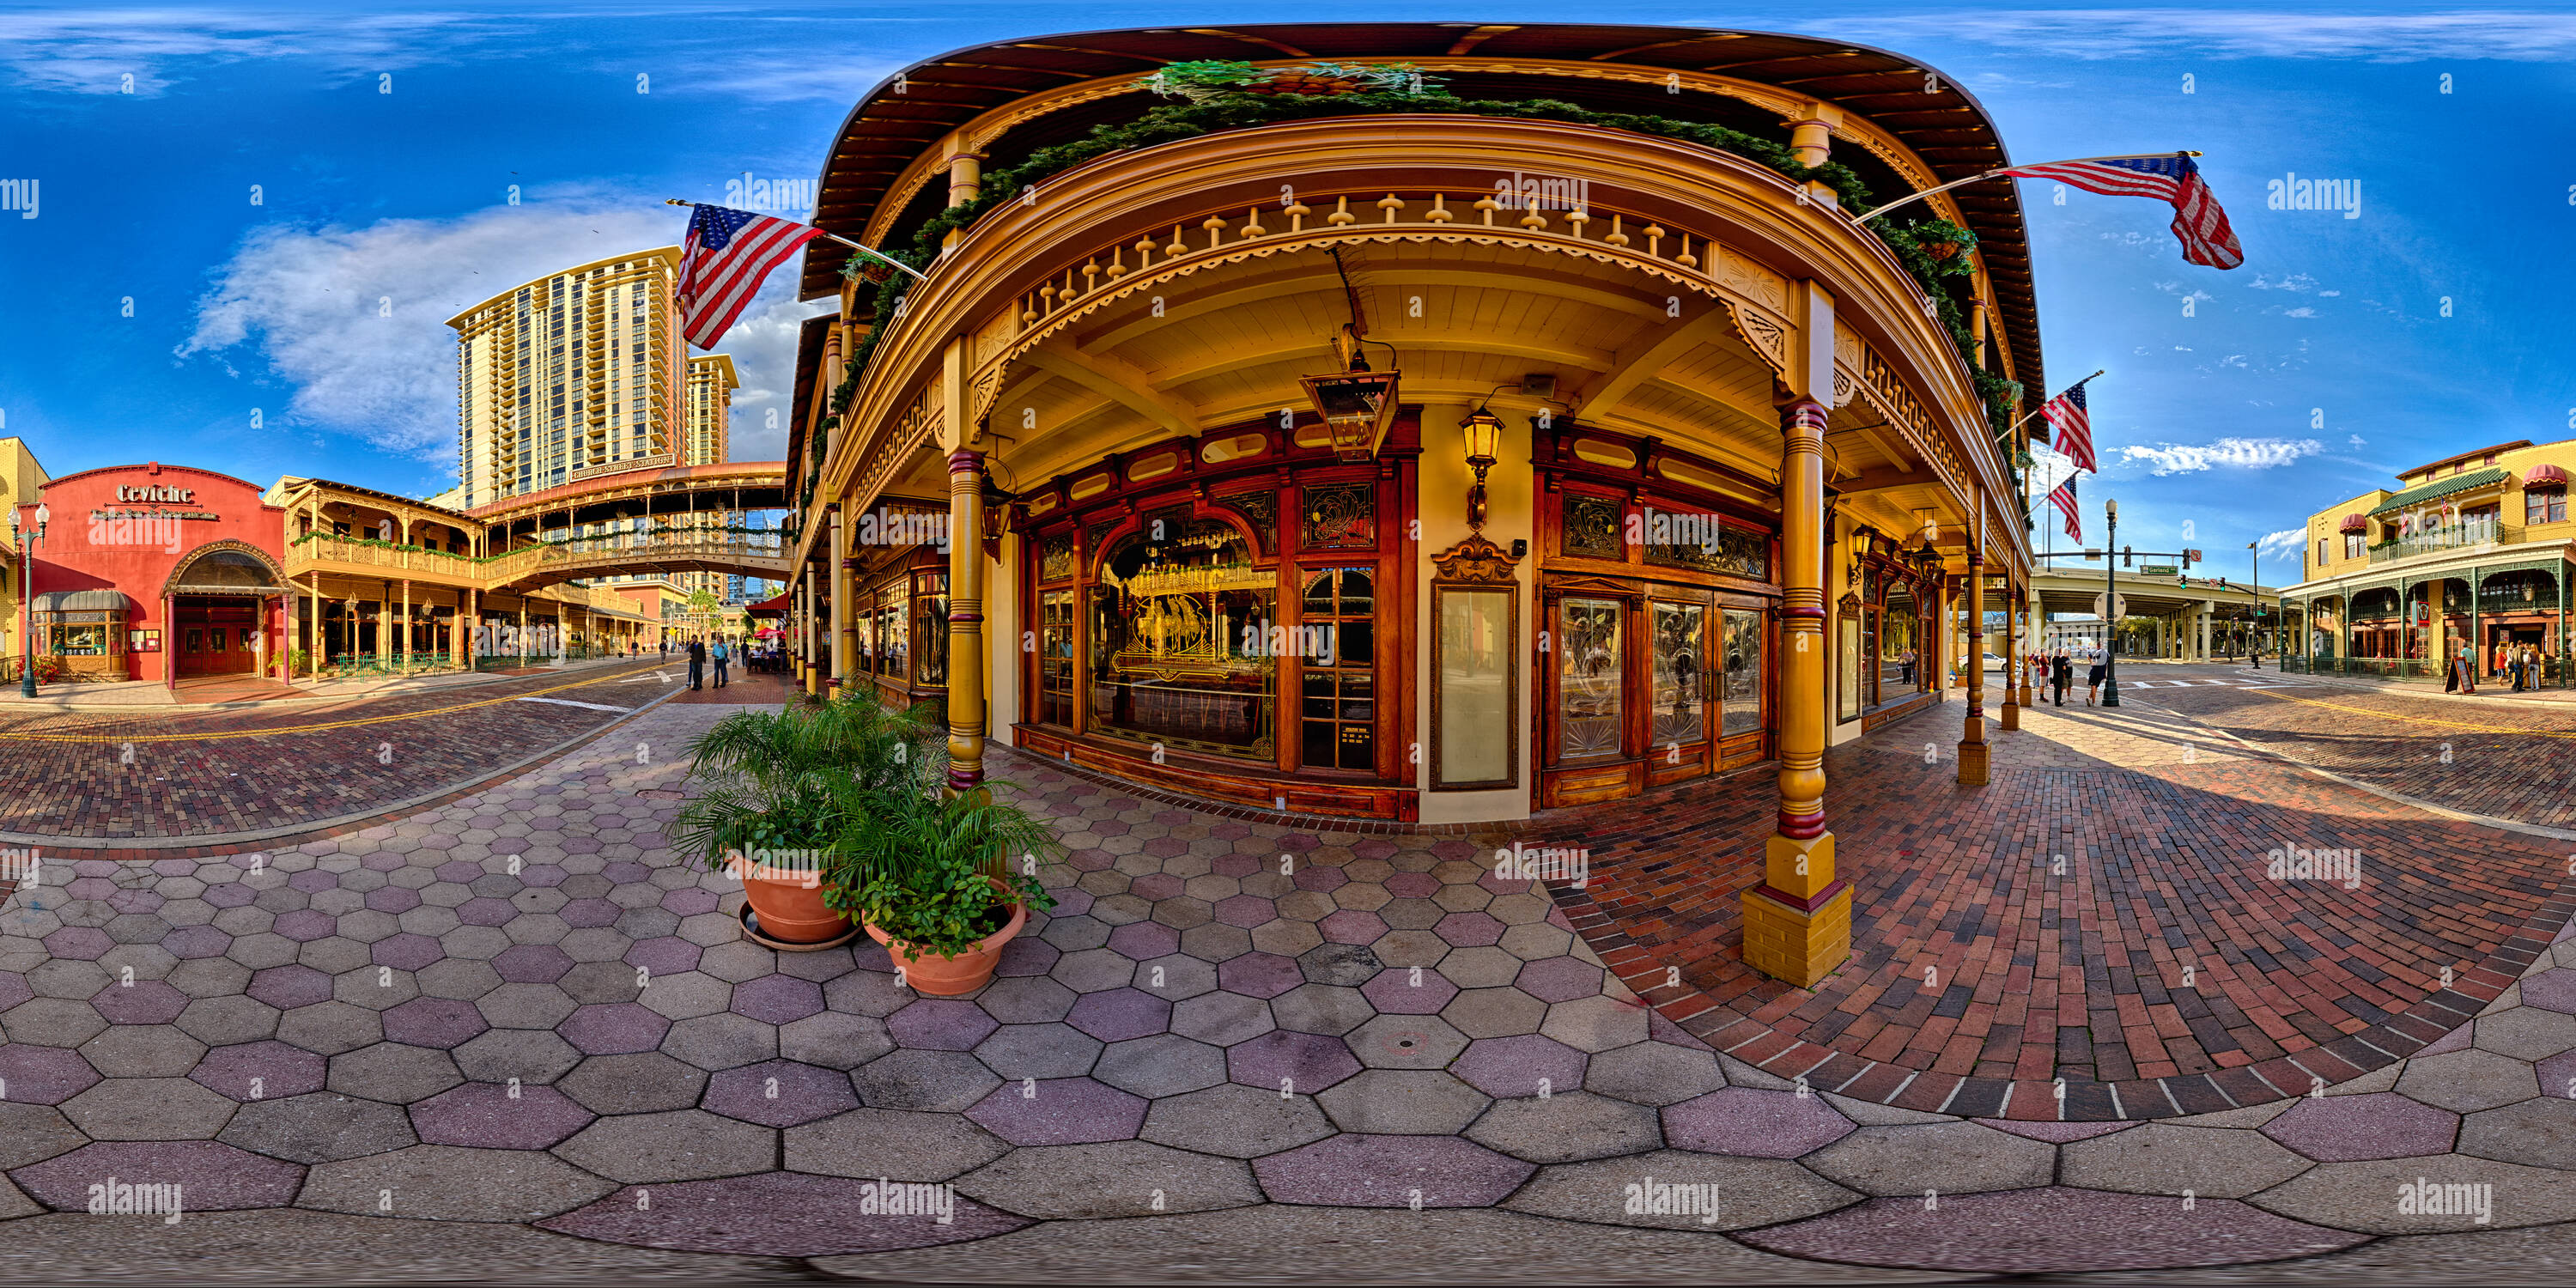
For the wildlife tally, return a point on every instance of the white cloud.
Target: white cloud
(764, 80)
(2102, 34)
(2296, 282)
(309, 301)
(2246, 453)
(91, 51)
(2285, 541)
(2303, 311)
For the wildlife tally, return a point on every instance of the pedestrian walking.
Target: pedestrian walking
(2062, 675)
(697, 662)
(724, 655)
(2093, 678)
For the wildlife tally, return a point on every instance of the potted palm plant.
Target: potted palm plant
(782, 788)
(943, 883)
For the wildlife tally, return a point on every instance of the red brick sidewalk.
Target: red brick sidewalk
(1981, 973)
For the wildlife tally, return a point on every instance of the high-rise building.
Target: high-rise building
(709, 409)
(577, 371)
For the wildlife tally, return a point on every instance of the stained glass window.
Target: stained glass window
(1590, 678)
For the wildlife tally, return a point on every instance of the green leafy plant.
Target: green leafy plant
(939, 876)
(797, 778)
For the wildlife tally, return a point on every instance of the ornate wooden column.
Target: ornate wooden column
(843, 594)
(1972, 736)
(2032, 619)
(1797, 923)
(2012, 656)
(966, 705)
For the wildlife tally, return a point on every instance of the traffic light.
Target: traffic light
(2128, 559)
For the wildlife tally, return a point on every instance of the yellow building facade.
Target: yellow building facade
(2470, 551)
(22, 480)
(1379, 436)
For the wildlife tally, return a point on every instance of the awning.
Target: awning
(2438, 489)
(2355, 523)
(82, 601)
(772, 607)
(2544, 476)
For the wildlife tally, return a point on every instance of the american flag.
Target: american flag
(2064, 499)
(2198, 223)
(2070, 426)
(727, 255)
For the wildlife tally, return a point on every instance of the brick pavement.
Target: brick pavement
(1110, 1109)
(118, 775)
(2101, 913)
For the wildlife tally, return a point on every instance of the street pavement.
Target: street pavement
(515, 1036)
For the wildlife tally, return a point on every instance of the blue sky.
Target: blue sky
(157, 308)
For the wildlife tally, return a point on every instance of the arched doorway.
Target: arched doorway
(220, 599)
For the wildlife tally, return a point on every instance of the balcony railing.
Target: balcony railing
(321, 549)
(2458, 539)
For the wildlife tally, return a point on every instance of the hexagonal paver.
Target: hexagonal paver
(1236, 1121)
(948, 1081)
(1654, 1073)
(2468, 1081)
(1039, 1050)
(1567, 1127)
(614, 1028)
(499, 1116)
(684, 1144)
(2164, 1158)
(1259, 974)
(1118, 1014)
(1952, 1158)
(51, 1021)
(1300, 1063)
(1059, 1111)
(891, 1143)
(34, 1133)
(393, 1073)
(1391, 1171)
(154, 1109)
(1406, 1042)
(2523, 1033)
(145, 1001)
(1027, 999)
(451, 1183)
(1409, 990)
(318, 1127)
(259, 1071)
(1520, 1065)
(2539, 1133)
(1110, 1179)
(779, 1093)
(1595, 1024)
(644, 1083)
(1754, 1123)
(533, 1056)
(721, 1041)
(1402, 1102)
(1164, 1064)
(2337, 1129)
(941, 1024)
(1223, 1018)
(1672, 1189)
(777, 999)
(444, 1023)
(212, 1177)
(834, 1040)
(2009, 1232)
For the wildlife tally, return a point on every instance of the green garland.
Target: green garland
(1216, 112)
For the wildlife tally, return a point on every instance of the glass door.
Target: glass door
(1741, 681)
(1591, 677)
(1678, 723)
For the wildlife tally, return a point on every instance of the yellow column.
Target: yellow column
(523, 628)
(813, 633)
(1972, 736)
(1811, 132)
(966, 704)
(2012, 658)
(406, 625)
(313, 643)
(1797, 923)
(2030, 616)
(843, 596)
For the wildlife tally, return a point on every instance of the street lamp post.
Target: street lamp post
(2110, 601)
(26, 539)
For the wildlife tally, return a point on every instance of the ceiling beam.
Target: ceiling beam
(1121, 383)
(1630, 371)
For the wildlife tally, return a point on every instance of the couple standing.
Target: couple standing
(698, 655)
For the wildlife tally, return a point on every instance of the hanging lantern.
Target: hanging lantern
(1357, 405)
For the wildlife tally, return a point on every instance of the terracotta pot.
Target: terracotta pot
(1302, 85)
(937, 976)
(790, 905)
(1941, 249)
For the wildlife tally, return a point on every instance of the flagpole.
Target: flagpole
(864, 250)
(1980, 178)
(2043, 406)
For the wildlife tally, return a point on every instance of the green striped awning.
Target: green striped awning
(2439, 488)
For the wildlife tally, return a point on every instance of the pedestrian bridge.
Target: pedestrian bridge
(2167, 615)
(650, 521)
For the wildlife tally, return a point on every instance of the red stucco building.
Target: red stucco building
(160, 572)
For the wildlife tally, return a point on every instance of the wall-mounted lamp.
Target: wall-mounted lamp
(1483, 432)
